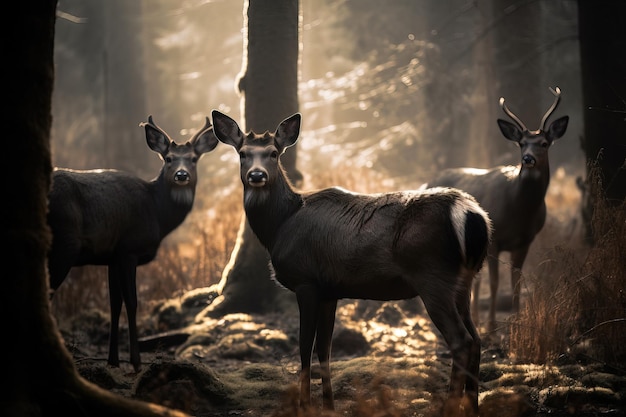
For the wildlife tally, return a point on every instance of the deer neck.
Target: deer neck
(268, 207)
(172, 203)
(533, 182)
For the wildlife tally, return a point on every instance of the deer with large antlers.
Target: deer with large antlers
(113, 218)
(513, 196)
(333, 244)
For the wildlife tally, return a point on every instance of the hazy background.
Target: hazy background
(390, 92)
(404, 87)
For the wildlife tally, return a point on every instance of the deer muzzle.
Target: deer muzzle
(182, 177)
(257, 178)
(528, 161)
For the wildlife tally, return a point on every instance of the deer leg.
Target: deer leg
(443, 312)
(58, 272)
(60, 261)
(493, 264)
(475, 301)
(115, 305)
(325, 327)
(517, 261)
(308, 304)
(128, 276)
(473, 366)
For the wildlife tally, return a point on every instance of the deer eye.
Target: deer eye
(274, 155)
(194, 159)
(168, 159)
(242, 156)
(545, 144)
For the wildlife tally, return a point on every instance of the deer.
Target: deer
(514, 197)
(114, 218)
(332, 244)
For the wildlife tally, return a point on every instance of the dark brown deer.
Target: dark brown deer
(109, 217)
(334, 244)
(513, 196)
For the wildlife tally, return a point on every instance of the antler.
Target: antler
(154, 125)
(557, 99)
(511, 115)
(207, 124)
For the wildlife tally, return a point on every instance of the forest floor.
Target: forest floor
(387, 360)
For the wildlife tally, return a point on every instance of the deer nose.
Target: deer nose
(529, 161)
(257, 178)
(181, 176)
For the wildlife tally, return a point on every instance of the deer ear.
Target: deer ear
(156, 138)
(205, 142)
(226, 129)
(510, 131)
(287, 131)
(557, 128)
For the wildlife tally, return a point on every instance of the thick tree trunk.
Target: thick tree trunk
(269, 93)
(602, 44)
(39, 373)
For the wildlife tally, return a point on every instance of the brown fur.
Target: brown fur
(334, 244)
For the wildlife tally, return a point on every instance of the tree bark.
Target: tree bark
(517, 69)
(602, 37)
(39, 373)
(268, 85)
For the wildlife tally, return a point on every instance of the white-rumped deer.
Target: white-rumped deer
(113, 218)
(333, 244)
(513, 196)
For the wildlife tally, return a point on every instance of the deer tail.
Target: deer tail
(474, 230)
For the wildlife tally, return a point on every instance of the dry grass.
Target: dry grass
(373, 400)
(577, 309)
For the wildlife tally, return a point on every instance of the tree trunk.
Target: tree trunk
(268, 85)
(484, 136)
(518, 69)
(124, 89)
(39, 373)
(602, 39)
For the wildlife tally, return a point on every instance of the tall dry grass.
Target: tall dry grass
(577, 307)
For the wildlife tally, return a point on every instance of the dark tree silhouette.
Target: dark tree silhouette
(39, 374)
(602, 44)
(268, 85)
